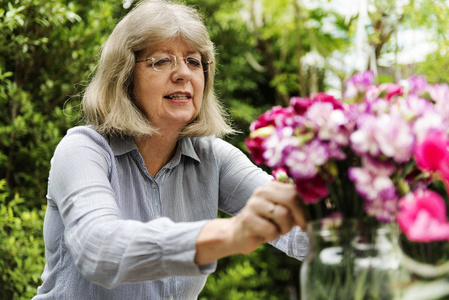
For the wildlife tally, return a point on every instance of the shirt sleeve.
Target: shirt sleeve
(239, 177)
(107, 249)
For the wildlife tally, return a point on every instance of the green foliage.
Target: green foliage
(47, 48)
(265, 274)
(21, 247)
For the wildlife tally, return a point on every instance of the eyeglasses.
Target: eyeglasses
(169, 62)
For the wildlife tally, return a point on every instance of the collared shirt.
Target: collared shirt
(112, 231)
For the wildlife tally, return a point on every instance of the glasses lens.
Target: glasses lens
(168, 62)
(163, 62)
(193, 63)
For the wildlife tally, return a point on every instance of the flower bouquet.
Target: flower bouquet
(379, 156)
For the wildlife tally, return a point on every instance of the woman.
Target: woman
(133, 197)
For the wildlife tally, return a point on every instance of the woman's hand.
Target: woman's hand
(271, 211)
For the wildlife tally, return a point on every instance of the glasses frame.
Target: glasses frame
(205, 65)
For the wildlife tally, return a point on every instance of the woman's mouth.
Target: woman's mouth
(179, 97)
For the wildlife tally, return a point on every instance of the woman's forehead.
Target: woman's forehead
(171, 46)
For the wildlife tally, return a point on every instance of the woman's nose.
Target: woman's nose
(182, 71)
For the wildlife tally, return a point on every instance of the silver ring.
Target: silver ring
(271, 211)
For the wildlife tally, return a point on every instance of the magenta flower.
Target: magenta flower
(383, 208)
(275, 116)
(312, 190)
(389, 90)
(371, 182)
(387, 135)
(386, 138)
(358, 84)
(303, 162)
(325, 98)
(432, 154)
(412, 107)
(363, 140)
(394, 137)
(328, 122)
(280, 174)
(417, 85)
(254, 146)
(422, 217)
(278, 146)
(300, 104)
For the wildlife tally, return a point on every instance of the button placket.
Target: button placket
(156, 199)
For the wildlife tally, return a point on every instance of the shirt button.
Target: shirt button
(153, 185)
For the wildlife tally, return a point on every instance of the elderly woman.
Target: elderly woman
(133, 197)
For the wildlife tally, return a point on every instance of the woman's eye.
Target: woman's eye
(193, 62)
(162, 62)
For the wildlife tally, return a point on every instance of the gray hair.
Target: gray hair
(108, 100)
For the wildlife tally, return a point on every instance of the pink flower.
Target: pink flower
(387, 138)
(385, 134)
(422, 217)
(276, 116)
(300, 104)
(417, 85)
(312, 190)
(254, 146)
(278, 145)
(302, 163)
(358, 84)
(440, 94)
(325, 98)
(372, 180)
(391, 90)
(432, 154)
(329, 123)
(280, 174)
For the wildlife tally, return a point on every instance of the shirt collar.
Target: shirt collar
(121, 145)
(185, 147)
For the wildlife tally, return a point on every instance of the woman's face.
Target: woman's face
(170, 98)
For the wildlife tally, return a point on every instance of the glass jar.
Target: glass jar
(352, 260)
(428, 265)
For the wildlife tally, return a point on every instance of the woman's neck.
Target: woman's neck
(156, 151)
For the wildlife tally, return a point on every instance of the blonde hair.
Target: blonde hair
(108, 102)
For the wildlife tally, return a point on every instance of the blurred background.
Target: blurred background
(267, 52)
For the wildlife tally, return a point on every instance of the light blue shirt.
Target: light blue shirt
(112, 231)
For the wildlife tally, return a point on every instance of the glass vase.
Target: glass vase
(352, 260)
(428, 265)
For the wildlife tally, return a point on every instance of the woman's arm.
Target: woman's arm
(249, 194)
(107, 249)
(271, 211)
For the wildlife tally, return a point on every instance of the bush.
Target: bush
(265, 274)
(21, 247)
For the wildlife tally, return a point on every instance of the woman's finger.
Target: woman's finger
(283, 194)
